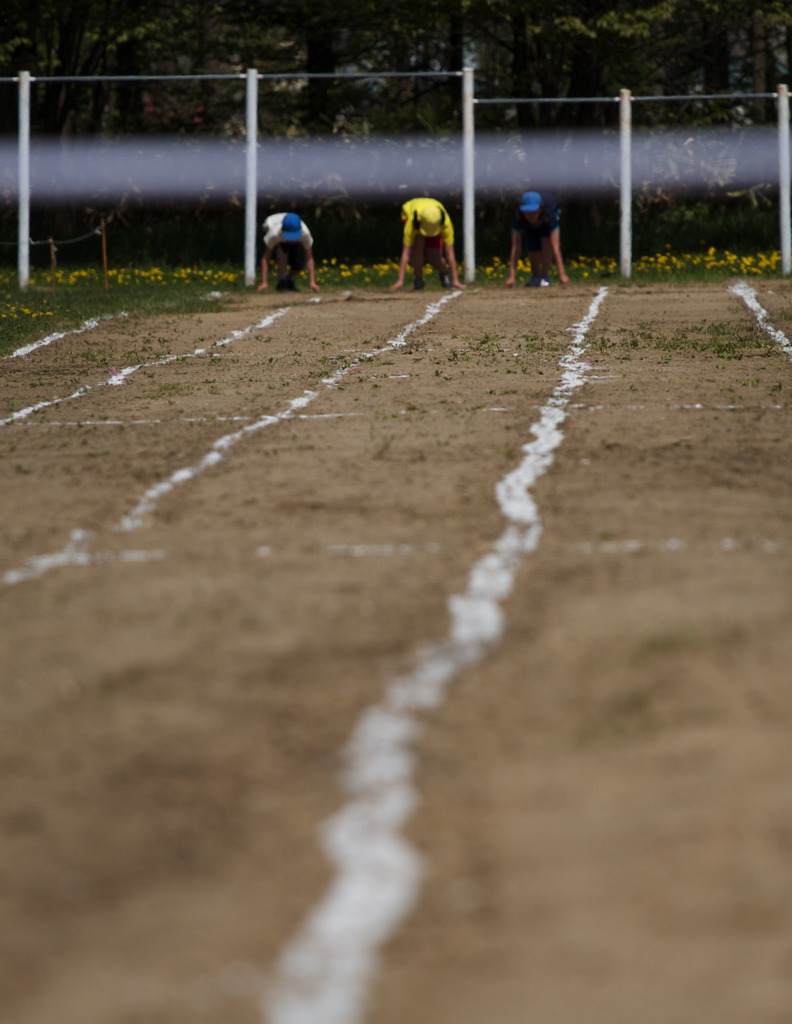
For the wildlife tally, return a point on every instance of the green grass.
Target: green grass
(709, 265)
(77, 295)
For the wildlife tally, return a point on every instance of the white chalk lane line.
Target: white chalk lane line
(119, 376)
(629, 546)
(86, 325)
(323, 974)
(748, 294)
(223, 445)
(76, 553)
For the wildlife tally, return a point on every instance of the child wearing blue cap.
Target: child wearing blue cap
(289, 239)
(536, 227)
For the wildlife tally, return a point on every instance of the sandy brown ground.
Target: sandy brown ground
(606, 814)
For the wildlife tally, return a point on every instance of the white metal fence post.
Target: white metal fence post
(784, 179)
(468, 175)
(251, 177)
(625, 199)
(23, 196)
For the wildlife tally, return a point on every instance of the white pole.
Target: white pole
(625, 199)
(251, 182)
(784, 179)
(23, 197)
(468, 175)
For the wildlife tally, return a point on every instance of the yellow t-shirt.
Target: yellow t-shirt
(426, 217)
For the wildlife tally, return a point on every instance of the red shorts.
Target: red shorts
(433, 241)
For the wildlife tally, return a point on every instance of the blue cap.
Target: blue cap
(292, 228)
(530, 202)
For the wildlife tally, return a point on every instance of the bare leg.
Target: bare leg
(418, 257)
(436, 257)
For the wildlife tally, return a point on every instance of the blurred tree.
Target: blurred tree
(521, 48)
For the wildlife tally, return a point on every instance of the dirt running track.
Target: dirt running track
(603, 827)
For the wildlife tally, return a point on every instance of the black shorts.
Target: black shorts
(294, 252)
(533, 235)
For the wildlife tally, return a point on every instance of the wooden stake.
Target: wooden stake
(104, 255)
(53, 262)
